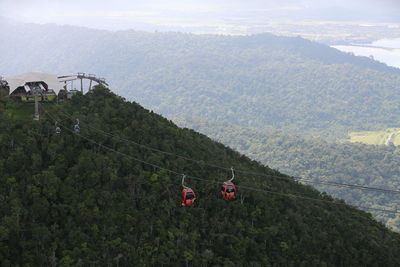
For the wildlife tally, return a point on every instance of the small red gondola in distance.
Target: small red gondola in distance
(228, 189)
(188, 195)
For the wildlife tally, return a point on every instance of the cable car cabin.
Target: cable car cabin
(228, 190)
(77, 128)
(188, 197)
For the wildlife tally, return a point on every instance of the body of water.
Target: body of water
(385, 50)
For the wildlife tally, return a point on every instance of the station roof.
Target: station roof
(20, 80)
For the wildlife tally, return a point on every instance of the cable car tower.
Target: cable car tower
(81, 77)
(37, 93)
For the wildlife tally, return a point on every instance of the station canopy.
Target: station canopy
(51, 80)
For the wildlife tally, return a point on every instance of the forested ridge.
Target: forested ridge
(319, 160)
(67, 201)
(262, 81)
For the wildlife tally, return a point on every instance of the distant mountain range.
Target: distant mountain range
(261, 81)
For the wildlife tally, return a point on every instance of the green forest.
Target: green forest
(96, 199)
(318, 160)
(91, 199)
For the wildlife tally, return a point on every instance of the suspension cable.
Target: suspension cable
(300, 179)
(219, 182)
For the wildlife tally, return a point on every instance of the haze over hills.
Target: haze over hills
(223, 16)
(94, 199)
(261, 81)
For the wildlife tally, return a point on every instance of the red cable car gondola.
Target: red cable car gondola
(188, 195)
(228, 189)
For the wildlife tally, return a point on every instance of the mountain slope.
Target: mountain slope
(69, 201)
(319, 161)
(262, 81)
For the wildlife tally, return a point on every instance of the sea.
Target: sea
(384, 50)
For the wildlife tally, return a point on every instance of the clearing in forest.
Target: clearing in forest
(376, 137)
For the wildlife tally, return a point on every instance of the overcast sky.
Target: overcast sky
(122, 14)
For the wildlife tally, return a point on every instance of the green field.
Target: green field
(375, 137)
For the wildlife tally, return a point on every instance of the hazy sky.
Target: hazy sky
(122, 14)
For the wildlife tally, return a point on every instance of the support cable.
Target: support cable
(219, 182)
(300, 179)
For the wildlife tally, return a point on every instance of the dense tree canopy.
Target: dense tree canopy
(320, 161)
(68, 201)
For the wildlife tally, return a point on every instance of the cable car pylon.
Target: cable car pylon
(188, 195)
(228, 189)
